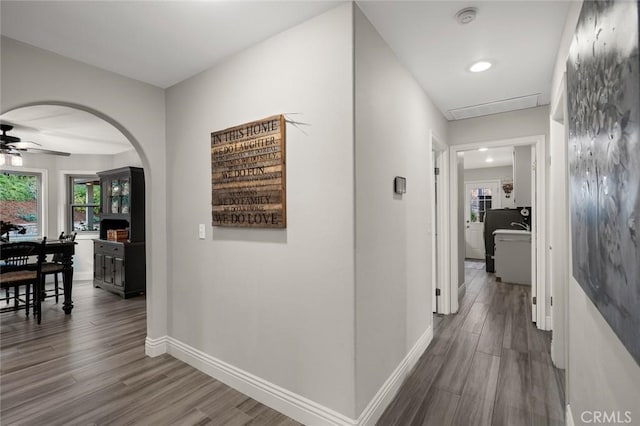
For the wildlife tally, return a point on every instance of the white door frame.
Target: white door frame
(497, 205)
(440, 271)
(539, 224)
(559, 235)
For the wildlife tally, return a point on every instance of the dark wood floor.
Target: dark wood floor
(487, 365)
(89, 368)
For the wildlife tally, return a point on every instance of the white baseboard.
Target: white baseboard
(548, 324)
(82, 276)
(77, 276)
(389, 389)
(289, 403)
(155, 347)
(462, 290)
(569, 416)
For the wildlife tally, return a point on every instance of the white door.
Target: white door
(479, 197)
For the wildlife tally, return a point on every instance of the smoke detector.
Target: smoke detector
(466, 15)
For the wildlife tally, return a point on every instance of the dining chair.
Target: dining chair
(16, 262)
(26, 274)
(56, 265)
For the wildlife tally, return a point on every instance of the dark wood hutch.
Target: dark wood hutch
(119, 266)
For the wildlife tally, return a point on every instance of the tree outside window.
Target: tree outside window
(84, 204)
(20, 203)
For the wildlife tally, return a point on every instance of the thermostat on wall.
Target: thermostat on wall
(400, 185)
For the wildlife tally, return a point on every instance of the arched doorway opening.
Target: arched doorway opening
(68, 196)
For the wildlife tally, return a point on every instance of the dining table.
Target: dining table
(65, 249)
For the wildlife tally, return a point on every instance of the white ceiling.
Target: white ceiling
(61, 128)
(165, 42)
(521, 38)
(158, 42)
(478, 159)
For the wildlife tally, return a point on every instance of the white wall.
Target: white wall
(563, 48)
(522, 176)
(601, 374)
(393, 233)
(503, 174)
(126, 158)
(558, 240)
(35, 76)
(276, 303)
(506, 125)
(461, 225)
(559, 202)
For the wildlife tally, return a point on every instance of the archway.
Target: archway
(36, 122)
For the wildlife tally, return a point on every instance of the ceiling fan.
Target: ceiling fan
(13, 145)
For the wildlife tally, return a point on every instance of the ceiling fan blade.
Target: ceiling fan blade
(45, 151)
(22, 144)
(9, 139)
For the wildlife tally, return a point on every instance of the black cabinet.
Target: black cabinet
(98, 264)
(122, 202)
(119, 266)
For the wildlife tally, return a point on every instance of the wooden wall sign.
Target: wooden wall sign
(248, 179)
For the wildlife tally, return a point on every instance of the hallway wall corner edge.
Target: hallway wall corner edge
(569, 416)
(289, 403)
(155, 347)
(378, 404)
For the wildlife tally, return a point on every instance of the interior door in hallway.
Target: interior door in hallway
(479, 197)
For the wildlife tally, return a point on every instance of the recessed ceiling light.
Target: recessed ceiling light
(483, 149)
(489, 160)
(480, 66)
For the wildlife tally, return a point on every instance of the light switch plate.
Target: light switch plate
(201, 231)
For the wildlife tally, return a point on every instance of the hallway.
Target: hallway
(486, 365)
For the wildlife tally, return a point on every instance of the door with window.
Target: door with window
(479, 197)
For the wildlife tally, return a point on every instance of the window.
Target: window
(480, 203)
(21, 198)
(84, 204)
